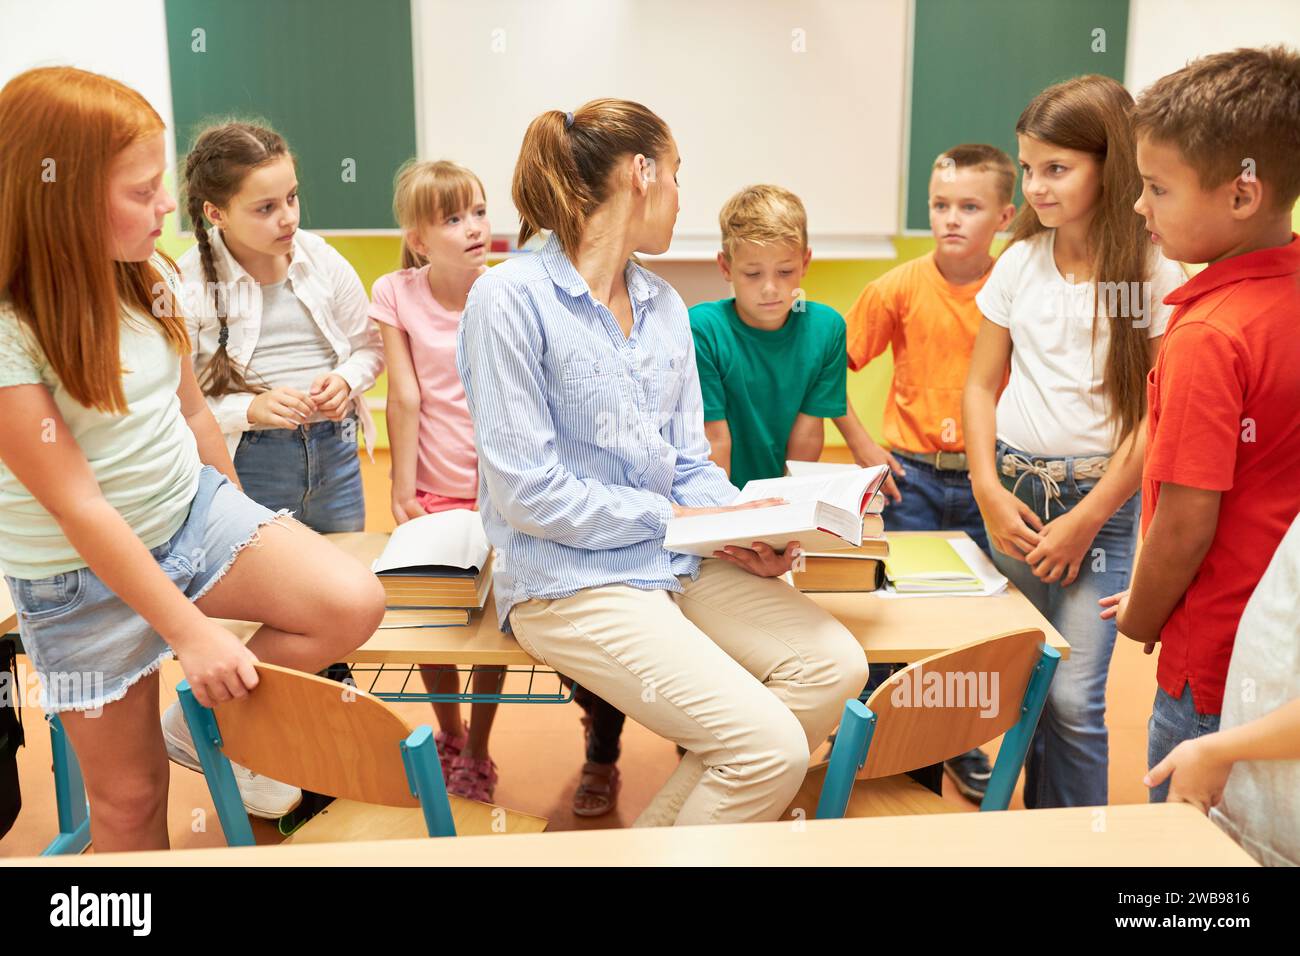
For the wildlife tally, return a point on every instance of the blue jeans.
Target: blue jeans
(934, 500)
(1069, 757)
(312, 470)
(1173, 720)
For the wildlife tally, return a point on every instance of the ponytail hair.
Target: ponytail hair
(215, 168)
(425, 191)
(564, 166)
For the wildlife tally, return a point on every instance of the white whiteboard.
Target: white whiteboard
(1164, 34)
(807, 95)
(126, 39)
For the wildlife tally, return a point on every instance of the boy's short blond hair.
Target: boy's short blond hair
(985, 159)
(764, 215)
(1226, 109)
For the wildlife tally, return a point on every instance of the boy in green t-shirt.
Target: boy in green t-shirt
(772, 365)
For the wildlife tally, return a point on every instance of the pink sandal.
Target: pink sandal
(449, 749)
(473, 779)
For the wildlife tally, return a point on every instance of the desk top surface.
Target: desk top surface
(1138, 835)
(892, 631)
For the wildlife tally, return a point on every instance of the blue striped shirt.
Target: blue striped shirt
(584, 437)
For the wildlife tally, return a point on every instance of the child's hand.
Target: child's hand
(331, 392)
(1116, 606)
(406, 507)
(1113, 604)
(762, 560)
(1061, 546)
(281, 408)
(1199, 774)
(875, 455)
(217, 664)
(1012, 525)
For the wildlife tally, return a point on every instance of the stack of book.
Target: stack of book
(435, 570)
(855, 569)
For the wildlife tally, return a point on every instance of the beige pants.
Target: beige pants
(744, 672)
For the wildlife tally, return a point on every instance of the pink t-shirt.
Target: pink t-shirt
(446, 463)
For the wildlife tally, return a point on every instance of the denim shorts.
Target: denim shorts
(87, 645)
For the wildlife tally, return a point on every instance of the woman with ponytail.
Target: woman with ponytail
(579, 371)
(282, 345)
(122, 527)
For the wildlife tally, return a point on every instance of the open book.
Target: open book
(441, 560)
(823, 512)
(445, 544)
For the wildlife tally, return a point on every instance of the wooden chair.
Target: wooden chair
(928, 712)
(338, 740)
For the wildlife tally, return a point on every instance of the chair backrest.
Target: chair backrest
(320, 735)
(950, 702)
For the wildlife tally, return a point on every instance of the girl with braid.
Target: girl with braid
(282, 345)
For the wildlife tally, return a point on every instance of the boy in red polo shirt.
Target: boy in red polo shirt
(1221, 480)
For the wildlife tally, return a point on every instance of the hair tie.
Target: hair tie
(223, 336)
(568, 120)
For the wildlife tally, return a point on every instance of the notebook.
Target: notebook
(921, 563)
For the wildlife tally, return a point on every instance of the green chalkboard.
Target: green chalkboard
(976, 64)
(334, 77)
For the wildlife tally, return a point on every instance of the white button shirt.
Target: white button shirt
(330, 289)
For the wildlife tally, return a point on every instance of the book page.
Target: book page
(843, 489)
(452, 539)
(792, 489)
(800, 469)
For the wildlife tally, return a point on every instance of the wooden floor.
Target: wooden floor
(538, 747)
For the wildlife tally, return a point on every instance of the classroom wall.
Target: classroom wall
(126, 39)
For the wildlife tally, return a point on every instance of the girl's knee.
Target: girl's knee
(130, 801)
(350, 611)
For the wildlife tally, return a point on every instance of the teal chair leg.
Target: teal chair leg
(69, 795)
(216, 769)
(847, 757)
(424, 773)
(1015, 743)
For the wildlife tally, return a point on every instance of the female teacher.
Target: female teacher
(579, 371)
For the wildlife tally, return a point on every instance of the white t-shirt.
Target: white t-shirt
(145, 461)
(1055, 403)
(1259, 800)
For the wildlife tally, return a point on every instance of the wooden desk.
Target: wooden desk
(890, 631)
(906, 630)
(1142, 835)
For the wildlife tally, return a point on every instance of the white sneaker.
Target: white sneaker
(262, 796)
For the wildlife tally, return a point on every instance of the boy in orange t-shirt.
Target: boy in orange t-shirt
(1221, 479)
(926, 310)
